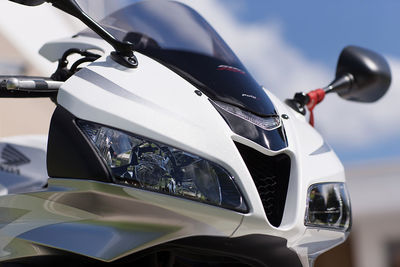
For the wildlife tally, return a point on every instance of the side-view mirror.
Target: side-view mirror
(29, 2)
(361, 75)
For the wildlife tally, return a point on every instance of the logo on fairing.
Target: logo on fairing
(12, 159)
(230, 68)
(249, 96)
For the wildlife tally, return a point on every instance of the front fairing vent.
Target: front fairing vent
(271, 177)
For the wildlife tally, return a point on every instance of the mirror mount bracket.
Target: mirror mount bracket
(310, 100)
(123, 53)
(298, 102)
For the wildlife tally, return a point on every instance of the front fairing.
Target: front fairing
(181, 39)
(98, 213)
(155, 102)
(178, 37)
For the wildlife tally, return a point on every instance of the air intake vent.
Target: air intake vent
(271, 177)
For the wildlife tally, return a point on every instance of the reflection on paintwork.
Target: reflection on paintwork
(99, 220)
(104, 240)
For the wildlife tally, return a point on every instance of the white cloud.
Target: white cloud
(284, 70)
(357, 124)
(281, 67)
(275, 63)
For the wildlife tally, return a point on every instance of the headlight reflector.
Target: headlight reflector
(268, 123)
(138, 162)
(328, 206)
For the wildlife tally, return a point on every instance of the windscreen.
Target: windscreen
(179, 38)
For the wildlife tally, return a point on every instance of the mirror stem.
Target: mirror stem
(341, 84)
(123, 50)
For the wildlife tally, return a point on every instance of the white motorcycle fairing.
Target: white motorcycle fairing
(164, 151)
(108, 222)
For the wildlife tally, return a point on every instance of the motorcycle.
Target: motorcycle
(164, 151)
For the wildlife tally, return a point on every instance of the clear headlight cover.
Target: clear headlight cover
(328, 206)
(268, 123)
(149, 165)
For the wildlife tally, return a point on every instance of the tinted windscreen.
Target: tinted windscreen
(178, 37)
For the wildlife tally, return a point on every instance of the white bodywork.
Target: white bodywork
(154, 102)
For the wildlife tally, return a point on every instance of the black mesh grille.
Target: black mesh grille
(271, 177)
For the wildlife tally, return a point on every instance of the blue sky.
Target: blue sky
(321, 28)
(292, 46)
(318, 30)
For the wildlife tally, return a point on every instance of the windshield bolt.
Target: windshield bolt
(198, 92)
(285, 116)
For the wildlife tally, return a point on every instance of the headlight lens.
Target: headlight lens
(149, 165)
(268, 123)
(328, 206)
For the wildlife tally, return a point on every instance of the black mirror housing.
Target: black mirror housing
(368, 72)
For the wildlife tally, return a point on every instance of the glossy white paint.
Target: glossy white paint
(155, 102)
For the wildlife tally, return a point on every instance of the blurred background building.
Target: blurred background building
(375, 237)
(21, 116)
(367, 138)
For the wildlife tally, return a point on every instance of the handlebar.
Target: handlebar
(28, 87)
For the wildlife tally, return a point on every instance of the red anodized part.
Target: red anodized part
(315, 97)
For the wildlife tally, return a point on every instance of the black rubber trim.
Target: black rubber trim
(252, 250)
(69, 153)
(199, 251)
(41, 85)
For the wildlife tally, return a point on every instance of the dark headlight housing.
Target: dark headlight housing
(142, 163)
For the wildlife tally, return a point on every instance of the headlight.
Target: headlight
(268, 123)
(328, 206)
(149, 165)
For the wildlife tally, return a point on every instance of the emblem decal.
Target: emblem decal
(250, 96)
(230, 68)
(12, 159)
